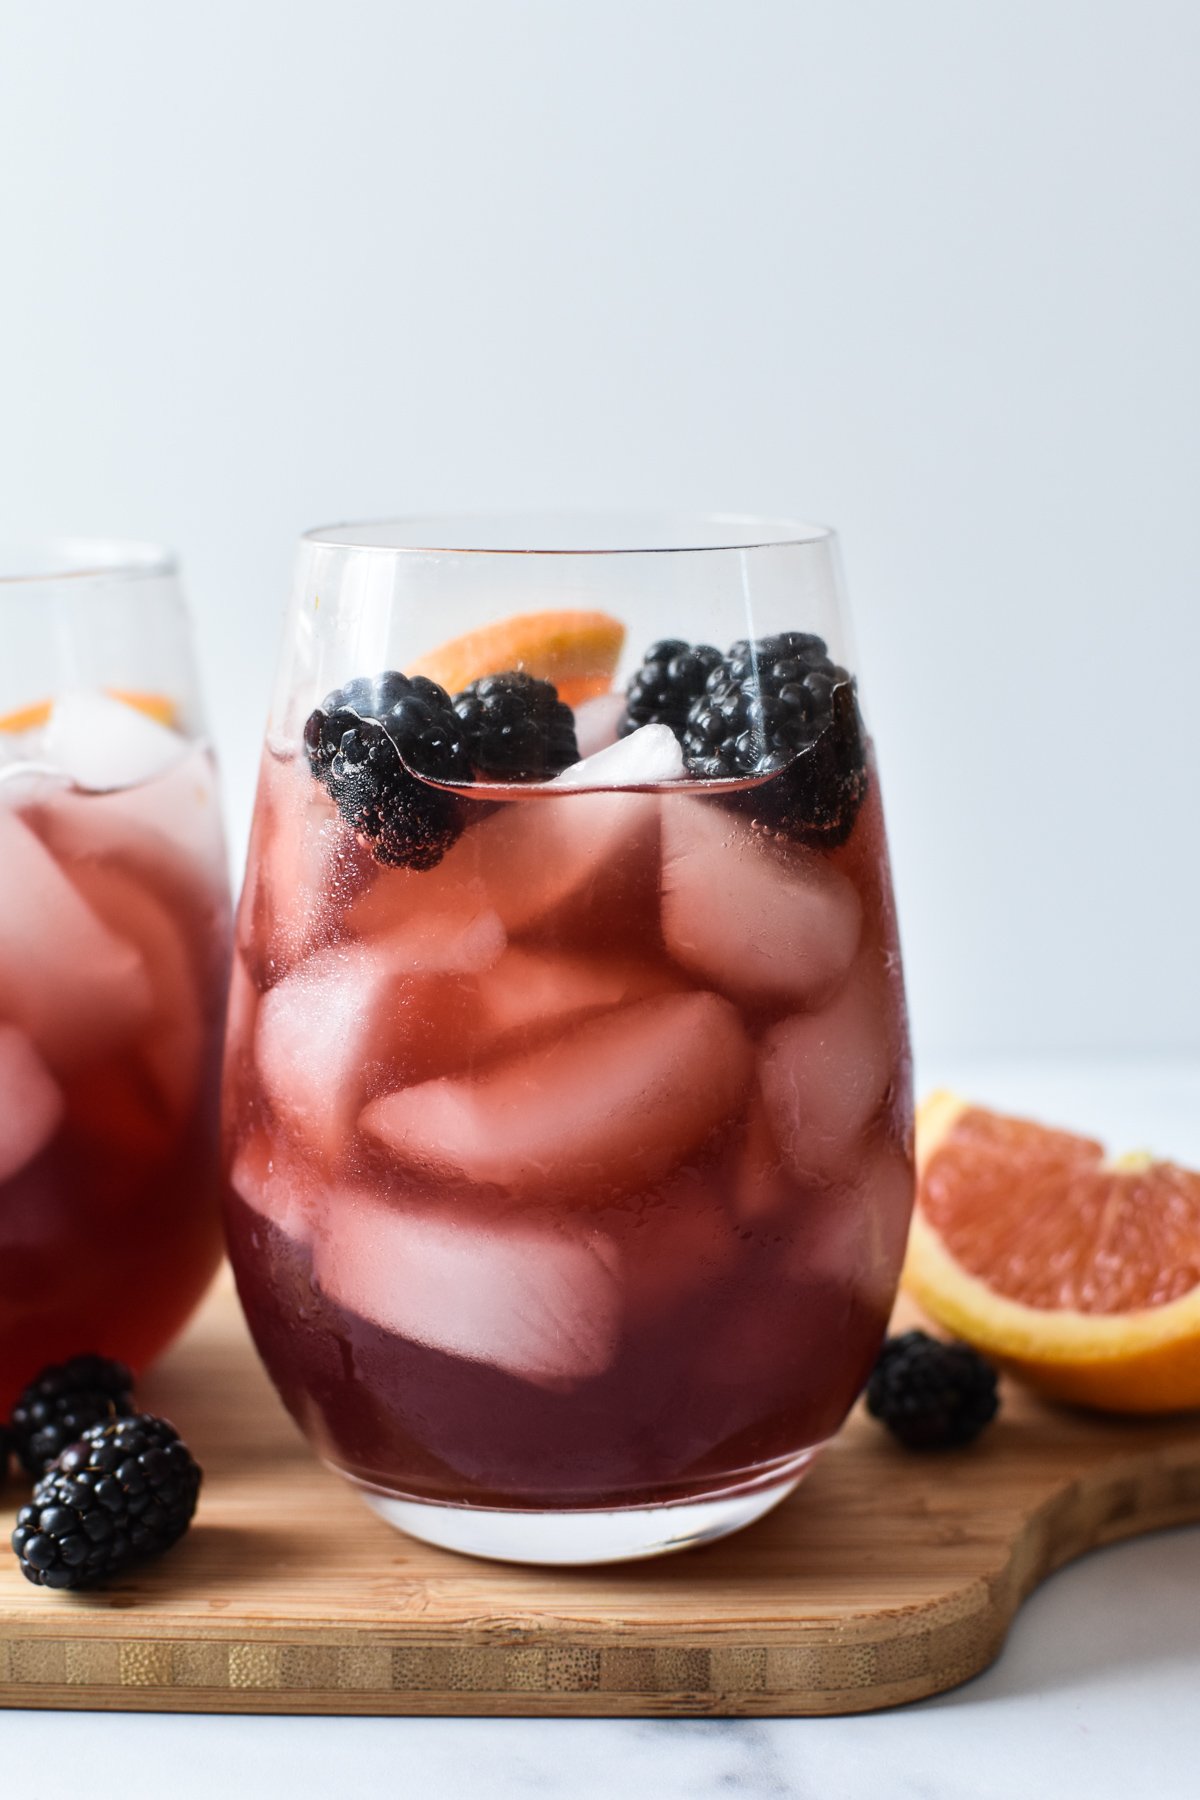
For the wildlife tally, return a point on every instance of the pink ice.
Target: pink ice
(758, 919)
(540, 858)
(172, 823)
(74, 985)
(539, 989)
(824, 1076)
(346, 1019)
(31, 1102)
(174, 1040)
(612, 1104)
(274, 1184)
(537, 1299)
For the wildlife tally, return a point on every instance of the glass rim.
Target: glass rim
(49, 561)
(432, 534)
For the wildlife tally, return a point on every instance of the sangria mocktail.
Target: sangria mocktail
(114, 954)
(568, 1109)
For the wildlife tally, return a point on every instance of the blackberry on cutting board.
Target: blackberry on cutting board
(355, 740)
(515, 725)
(672, 676)
(781, 707)
(125, 1492)
(931, 1395)
(57, 1408)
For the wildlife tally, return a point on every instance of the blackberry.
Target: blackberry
(355, 742)
(672, 676)
(931, 1395)
(516, 725)
(126, 1491)
(57, 1408)
(780, 706)
(7, 1448)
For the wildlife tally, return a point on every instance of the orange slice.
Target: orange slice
(1078, 1274)
(155, 706)
(577, 651)
(26, 718)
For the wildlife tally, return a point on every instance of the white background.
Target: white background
(927, 271)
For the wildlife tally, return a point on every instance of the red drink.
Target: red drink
(576, 1170)
(113, 956)
(568, 1111)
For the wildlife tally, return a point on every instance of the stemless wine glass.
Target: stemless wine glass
(114, 953)
(568, 1109)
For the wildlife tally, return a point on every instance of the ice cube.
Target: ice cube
(278, 1187)
(762, 920)
(29, 784)
(173, 1043)
(31, 1102)
(612, 1104)
(463, 935)
(853, 1233)
(575, 856)
(887, 1185)
(596, 722)
(305, 868)
(534, 989)
(345, 1023)
(762, 1186)
(651, 753)
(537, 1299)
(76, 987)
(825, 1075)
(169, 828)
(104, 743)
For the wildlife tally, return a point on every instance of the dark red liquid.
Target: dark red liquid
(110, 1222)
(575, 1172)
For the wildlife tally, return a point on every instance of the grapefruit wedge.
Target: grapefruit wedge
(1079, 1274)
(577, 651)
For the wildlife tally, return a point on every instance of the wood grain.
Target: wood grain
(886, 1577)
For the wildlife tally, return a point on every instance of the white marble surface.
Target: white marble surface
(1095, 1693)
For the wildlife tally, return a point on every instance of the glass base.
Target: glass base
(621, 1534)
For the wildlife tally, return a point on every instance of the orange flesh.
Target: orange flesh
(577, 651)
(1038, 1216)
(155, 706)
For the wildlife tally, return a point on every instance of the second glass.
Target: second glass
(114, 956)
(568, 1110)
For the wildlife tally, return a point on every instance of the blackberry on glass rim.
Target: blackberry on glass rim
(567, 1113)
(359, 741)
(777, 707)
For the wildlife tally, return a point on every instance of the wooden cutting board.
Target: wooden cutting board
(886, 1577)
